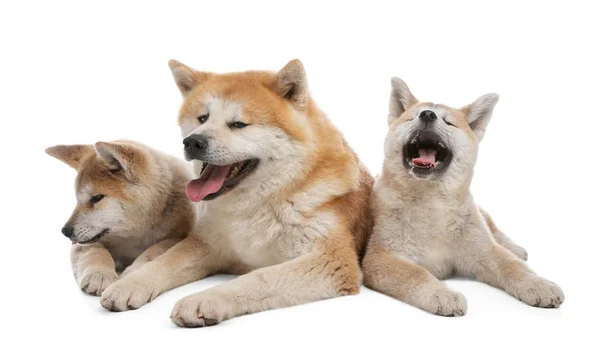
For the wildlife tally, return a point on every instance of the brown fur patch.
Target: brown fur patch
(96, 173)
(255, 92)
(354, 208)
(340, 262)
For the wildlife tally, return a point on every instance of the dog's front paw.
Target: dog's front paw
(125, 294)
(539, 292)
(95, 282)
(201, 309)
(444, 302)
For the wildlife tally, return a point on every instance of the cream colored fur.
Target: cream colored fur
(428, 228)
(144, 209)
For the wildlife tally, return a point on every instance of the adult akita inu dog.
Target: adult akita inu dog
(283, 200)
(131, 207)
(427, 226)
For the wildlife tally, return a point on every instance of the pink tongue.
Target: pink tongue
(426, 158)
(210, 181)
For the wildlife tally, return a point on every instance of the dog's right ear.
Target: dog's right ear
(186, 77)
(70, 154)
(122, 157)
(400, 99)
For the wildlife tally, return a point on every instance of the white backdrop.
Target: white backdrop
(80, 73)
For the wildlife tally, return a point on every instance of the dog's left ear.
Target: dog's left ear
(120, 156)
(291, 84)
(186, 77)
(479, 113)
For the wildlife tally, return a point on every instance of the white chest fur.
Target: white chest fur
(262, 234)
(428, 231)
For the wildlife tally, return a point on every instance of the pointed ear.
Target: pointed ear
(291, 83)
(186, 77)
(479, 113)
(400, 99)
(120, 156)
(70, 154)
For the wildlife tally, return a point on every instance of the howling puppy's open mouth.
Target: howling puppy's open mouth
(216, 180)
(425, 153)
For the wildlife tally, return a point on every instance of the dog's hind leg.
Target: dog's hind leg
(501, 238)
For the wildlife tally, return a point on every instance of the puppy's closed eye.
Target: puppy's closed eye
(448, 122)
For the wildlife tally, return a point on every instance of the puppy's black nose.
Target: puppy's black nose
(427, 116)
(195, 145)
(67, 231)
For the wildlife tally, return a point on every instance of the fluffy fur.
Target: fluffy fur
(294, 228)
(427, 226)
(143, 211)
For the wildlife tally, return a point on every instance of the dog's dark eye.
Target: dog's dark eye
(96, 198)
(203, 118)
(237, 125)
(448, 123)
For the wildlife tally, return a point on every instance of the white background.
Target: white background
(75, 73)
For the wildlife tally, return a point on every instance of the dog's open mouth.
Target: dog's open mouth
(93, 239)
(426, 152)
(216, 180)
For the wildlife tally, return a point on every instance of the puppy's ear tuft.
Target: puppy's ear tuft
(480, 112)
(400, 99)
(291, 84)
(121, 156)
(72, 155)
(186, 77)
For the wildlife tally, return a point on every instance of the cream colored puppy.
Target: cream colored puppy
(427, 226)
(131, 207)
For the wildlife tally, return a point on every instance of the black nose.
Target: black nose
(67, 231)
(427, 116)
(195, 145)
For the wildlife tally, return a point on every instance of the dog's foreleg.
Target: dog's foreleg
(93, 268)
(150, 254)
(331, 271)
(498, 267)
(501, 238)
(189, 260)
(408, 282)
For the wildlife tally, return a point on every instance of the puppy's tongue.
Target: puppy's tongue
(210, 181)
(426, 158)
